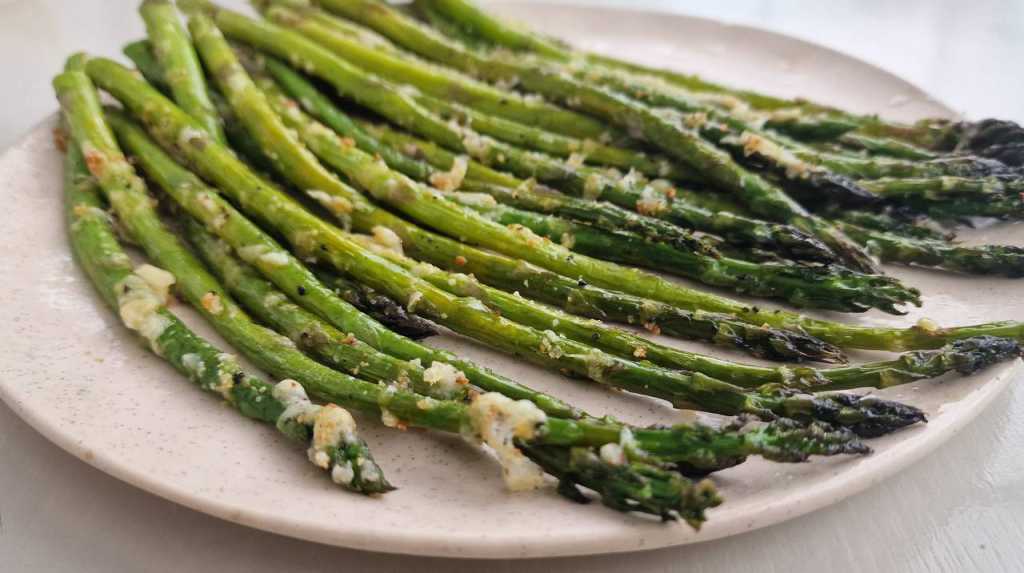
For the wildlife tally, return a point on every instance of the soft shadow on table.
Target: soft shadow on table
(92, 522)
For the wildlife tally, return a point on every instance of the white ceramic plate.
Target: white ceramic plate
(73, 373)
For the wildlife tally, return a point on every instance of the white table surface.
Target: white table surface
(961, 509)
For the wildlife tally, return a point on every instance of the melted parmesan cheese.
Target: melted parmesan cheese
(388, 239)
(452, 179)
(447, 378)
(498, 421)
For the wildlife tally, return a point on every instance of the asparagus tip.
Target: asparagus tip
(970, 355)
(867, 416)
(626, 484)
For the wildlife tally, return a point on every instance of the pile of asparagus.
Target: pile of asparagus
(332, 182)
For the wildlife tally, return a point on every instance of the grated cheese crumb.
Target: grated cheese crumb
(212, 303)
(387, 238)
(592, 186)
(452, 179)
(338, 206)
(445, 377)
(613, 454)
(498, 421)
(333, 426)
(414, 299)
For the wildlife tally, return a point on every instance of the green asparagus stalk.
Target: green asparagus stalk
(371, 174)
(895, 221)
(577, 296)
(139, 296)
(911, 243)
(883, 167)
(579, 180)
(967, 356)
(495, 126)
(314, 336)
(444, 83)
(598, 214)
(997, 139)
(738, 230)
(658, 93)
(960, 207)
(1005, 260)
(586, 150)
(177, 59)
(582, 299)
(430, 15)
(268, 349)
(141, 54)
(324, 109)
(885, 146)
(663, 128)
(467, 316)
(825, 287)
(286, 272)
(677, 445)
(385, 310)
(939, 188)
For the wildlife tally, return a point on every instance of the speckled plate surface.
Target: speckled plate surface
(73, 373)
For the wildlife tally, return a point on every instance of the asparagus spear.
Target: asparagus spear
(141, 54)
(599, 214)
(329, 345)
(656, 91)
(913, 243)
(582, 299)
(885, 146)
(1006, 260)
(881, 167)
(663, 128)
(760, 341)
(580, 181)
(992, 138)
(575, 295)
(327, 244)
(447, 84)
(500, 128)
(287, 273)
(385, 310)
(430, 15)
(738, 230)
(139, 295)
(827, 287)
(938, 188)
(894, 220)
(483, 417)
(177, 59)
(967, 357)
(324, 142)
(693, 446)
(557, 145)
